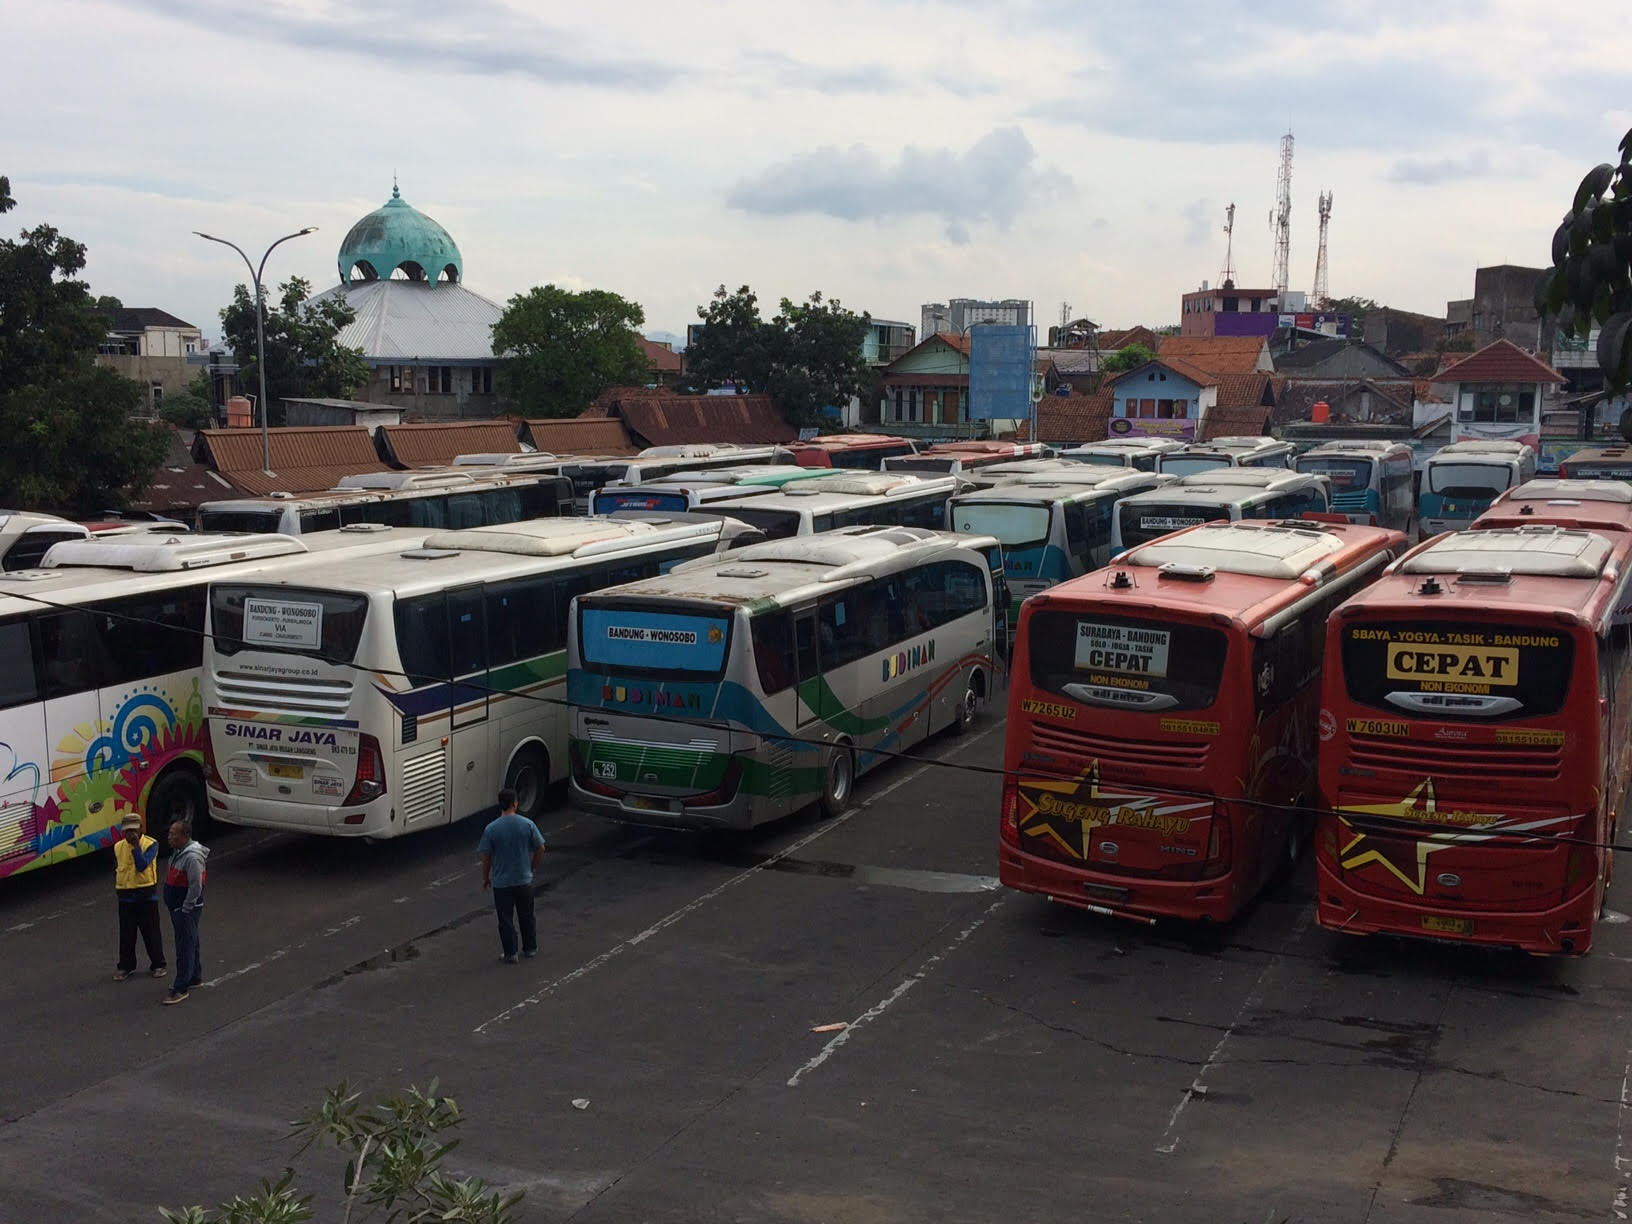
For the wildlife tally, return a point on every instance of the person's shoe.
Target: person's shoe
(529, 953)
(159, 971)
(509, 960)
(172, 999)
(120, 975)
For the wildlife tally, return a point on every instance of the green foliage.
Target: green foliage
(394, 1152)
(1128, 357)
(303, 357)
(1356, 308)
(561, 349)
(66, 441)
(191, 409)
(1590, 281)
(807, 358)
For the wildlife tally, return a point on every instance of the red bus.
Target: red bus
(1592, 505)
(956, 458)
(856, 450)
(1475, 740)
(1162, 717)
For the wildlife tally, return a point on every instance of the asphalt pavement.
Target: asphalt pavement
(1002, 1058)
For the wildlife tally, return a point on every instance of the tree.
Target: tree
(1128, 357)
(304, 357)
(1590, 281)
(807, 358)
(192, 408)
(394, 1151)
(1356, 308)
(67, 443)
(561, 349)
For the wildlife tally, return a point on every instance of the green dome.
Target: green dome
(399, 236)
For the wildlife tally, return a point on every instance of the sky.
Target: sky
(885, 153)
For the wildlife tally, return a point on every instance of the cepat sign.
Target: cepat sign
(904, 661)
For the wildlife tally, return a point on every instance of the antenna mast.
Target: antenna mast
(1226, 278)
(1319, 295)
(1281, 218)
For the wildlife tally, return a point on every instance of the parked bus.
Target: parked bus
(1476, 740)
(26, 537)
(1371, 481)
(960, 458)
(856, 450)
(843, 499)
(1226, 495)
(1460, 481)
(1604, 506)
(1052, 528)
(738, 690)
(1163, 715)
(661, 462)
(1006, 473)
(689, 490)
(1598, 463)
(381, 695)
(431, 498)
(100, 710)
(1142, 453)
(1196, 457)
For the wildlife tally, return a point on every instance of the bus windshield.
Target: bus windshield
(930, 463)
(1343, 473)
(1448, 669)
(1189, 465)
(1142, 522)
(1126, 663)
(776, 524)
(1100, 460)
(587, 477)
(1016, 525)
(609, 501)
(240, 520)
(1468, 479)
(641, 641)
(324, 624)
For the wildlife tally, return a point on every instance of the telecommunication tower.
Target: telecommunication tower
(1226, 278)
(1281, 219)
(1318, 296)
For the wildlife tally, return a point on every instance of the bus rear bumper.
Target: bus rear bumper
(1564, 930)
(1136, 897)
(662, 811)
(354, 820)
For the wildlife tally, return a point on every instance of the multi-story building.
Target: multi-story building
(960, 314)
(154, 348)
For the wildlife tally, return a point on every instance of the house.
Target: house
(439, 443)
(1219, 354)
(926, 390)
(1171, 398)
(1497, 392)
(1228, 311)
(315, 411)
(1379, 401)
(152, 347)
(1121, 338)
(654, 418)
(1398, 332)
(666, 365)
(1503, 306)
(1335, 359)
(308, 459)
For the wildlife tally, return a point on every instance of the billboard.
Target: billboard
(1001, 366)
(1183, 430)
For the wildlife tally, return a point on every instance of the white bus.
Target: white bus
(844, 499)
(659, 462)
(100, 709)
(1142, 453)
(1371, 480)
(740, 689)
(1249, 451)
(684, 491)
(962, 458)
(1226, 495)
(386, 694)
(431, 498)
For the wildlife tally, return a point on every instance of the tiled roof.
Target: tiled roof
(1075, 362)
(661, 358)
(1233, 423)
(1299, 395)
(1253, 390)
(439, 443)
(183, 488)
(1215, 354)
(1074, 418)
(1109, 341)
(1197, 375)
(590, 434)
(958, 340)
(409, 321)
(668, 419)
(306, 459)
(1500, 361)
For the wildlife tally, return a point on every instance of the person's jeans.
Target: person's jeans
(514, 904)
(140, 915)
(189, 966)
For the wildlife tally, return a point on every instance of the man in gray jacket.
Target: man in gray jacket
(184, 898)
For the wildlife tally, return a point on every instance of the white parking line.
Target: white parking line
(1623, 1162)
(884, 1004)
(697, 903)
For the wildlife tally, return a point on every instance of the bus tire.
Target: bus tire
(529, 777)
(1297, 838)
(838, 780)
(968, 705)
(177, 795)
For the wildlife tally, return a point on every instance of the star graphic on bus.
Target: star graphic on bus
(1036, 822)
(1420, 804)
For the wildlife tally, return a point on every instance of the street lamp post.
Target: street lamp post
(260, 326)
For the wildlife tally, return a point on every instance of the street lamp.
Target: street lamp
(260, 326)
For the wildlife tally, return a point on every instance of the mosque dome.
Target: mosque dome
(398, 237)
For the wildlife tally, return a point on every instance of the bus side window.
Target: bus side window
(501, 506)
(929, 514)
(773, 651)
(464, 510)
(144, 636)
(521, 621)
(804, 634)
(69, 653)
(428, 512)
(422, 639)
(319, 520)
(843, 631)
(18, 683)
(965, 587)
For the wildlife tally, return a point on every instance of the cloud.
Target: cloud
(993, 180)
(1431, 171)
(1198, 217)
(477, 37)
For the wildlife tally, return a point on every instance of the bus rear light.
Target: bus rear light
(723, 793)
(370, 783)
(212, 773)
(1219, 844)
(1009, 827)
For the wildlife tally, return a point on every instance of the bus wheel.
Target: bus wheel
(529, 777)
(178, 795)
(968, 706)
(1297, 836)
(838, 780)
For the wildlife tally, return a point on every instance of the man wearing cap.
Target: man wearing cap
(136, 880)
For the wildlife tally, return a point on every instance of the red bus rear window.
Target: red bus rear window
(1124, 662)
(1443, 669)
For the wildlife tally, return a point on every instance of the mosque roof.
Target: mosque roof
(411, 321)
(397, 236)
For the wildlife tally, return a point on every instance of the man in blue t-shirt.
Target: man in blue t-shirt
(511, 850)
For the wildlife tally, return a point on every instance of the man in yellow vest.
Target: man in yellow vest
(136, 880)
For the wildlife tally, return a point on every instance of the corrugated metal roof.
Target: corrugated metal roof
(676, 420)
(305, 459)
(439, 443)
(182, 488)
(583, 435)
(404, 320)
